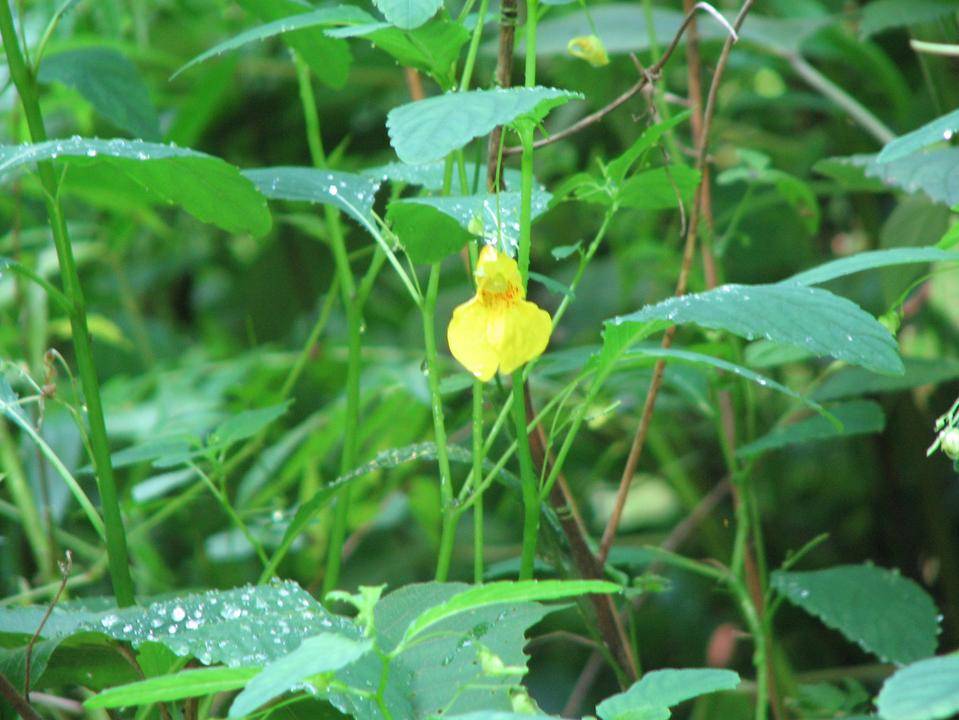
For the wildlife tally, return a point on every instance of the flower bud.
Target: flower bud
(589, 48)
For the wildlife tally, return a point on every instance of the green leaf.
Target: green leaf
(793, 190)
(938, 130)
(205, 186)
(240, 627)
(441, 672)
(245, 424)
(883, 612)
(323, 18)
(430, 129)
(870, 260)
(647, 353)
(328, 58)
(430, 175)
(618, 168)
(934, 172)
(13, 662)
(165, 688)
(850, 381)
(859, 417)
(766, 354)
(660, 188)
(320, 654)
(426, 234)
(505, 592)
(351, 193)
(493, 714)
(432, 48)
(110, 83)
(926, 690)
(652, 695)
(497, 215)
(809, 318)
(385, 459)
(882, 15)
(849, 176)
(408, 14)
(66, 618)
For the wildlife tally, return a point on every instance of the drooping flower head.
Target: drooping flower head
(497, 329)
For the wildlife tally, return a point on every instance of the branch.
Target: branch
(647, 78)
(607, 619)
(17, 700)
(504, 72)
(639, 439)
(65, 567)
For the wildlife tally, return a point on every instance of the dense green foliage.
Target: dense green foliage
(242, 475)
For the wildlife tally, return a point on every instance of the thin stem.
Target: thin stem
(503, 78)
(689, 246)
(857, 111)
(26, 85)
(526, 204)
(583, 262)
(478, 456)
(224, 501)
(76, 490)
(474, 46)
(30, 519)
(529, 480)
(650, 75)
(304, 355)
(448, 530)
(354, 321)
(532, 13)
(934, 48)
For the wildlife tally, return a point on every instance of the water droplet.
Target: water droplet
(109, 620)
(178, 614)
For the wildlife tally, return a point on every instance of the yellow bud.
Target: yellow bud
(589, 48)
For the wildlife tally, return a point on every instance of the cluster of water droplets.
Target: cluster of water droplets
(245, 626)
(79, 147)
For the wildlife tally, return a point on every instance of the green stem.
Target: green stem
(758, 633)
(304, 355)
(117, 555)
(478, 455)
(583, 262)
(448, 530)
(529, 480)
(224, 501)
(532, 13)
(30, 518)
(526, 203)
(350, 449)
(474, 46)
(354, 319)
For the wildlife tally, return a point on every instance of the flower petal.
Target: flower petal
(525, 336)
(497, 273)
(466, 335)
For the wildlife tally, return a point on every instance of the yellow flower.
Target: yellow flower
(589, 48)
(497, 329)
